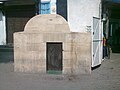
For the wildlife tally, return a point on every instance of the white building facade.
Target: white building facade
(85, 16)
(81, 13)
(2, 27)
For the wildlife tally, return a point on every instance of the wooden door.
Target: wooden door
(54, 56)
(96, 43)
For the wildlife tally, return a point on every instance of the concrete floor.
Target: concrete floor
(106, 77)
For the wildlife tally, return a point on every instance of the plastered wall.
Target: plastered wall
(81, 13)
(30, 46)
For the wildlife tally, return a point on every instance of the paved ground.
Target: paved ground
(106, 77)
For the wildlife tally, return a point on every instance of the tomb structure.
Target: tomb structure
(47, 46)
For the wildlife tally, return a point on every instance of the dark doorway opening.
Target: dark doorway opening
(111, 15)
(54, 58)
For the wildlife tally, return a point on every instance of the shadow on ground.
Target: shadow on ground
(6, 54)
(96, 67)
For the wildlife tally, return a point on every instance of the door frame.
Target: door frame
(54, 71)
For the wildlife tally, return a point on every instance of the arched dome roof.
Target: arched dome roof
(47, 23)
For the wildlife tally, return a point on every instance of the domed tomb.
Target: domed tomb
(46, 46)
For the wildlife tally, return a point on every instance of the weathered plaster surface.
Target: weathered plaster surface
(81, 13)
(30, 46)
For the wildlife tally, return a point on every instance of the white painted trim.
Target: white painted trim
(3, 29)
(4, 24)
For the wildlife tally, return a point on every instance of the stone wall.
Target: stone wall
(81, 53)
(30, 47)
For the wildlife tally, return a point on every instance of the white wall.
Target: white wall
(2, 29)
(81, 13)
